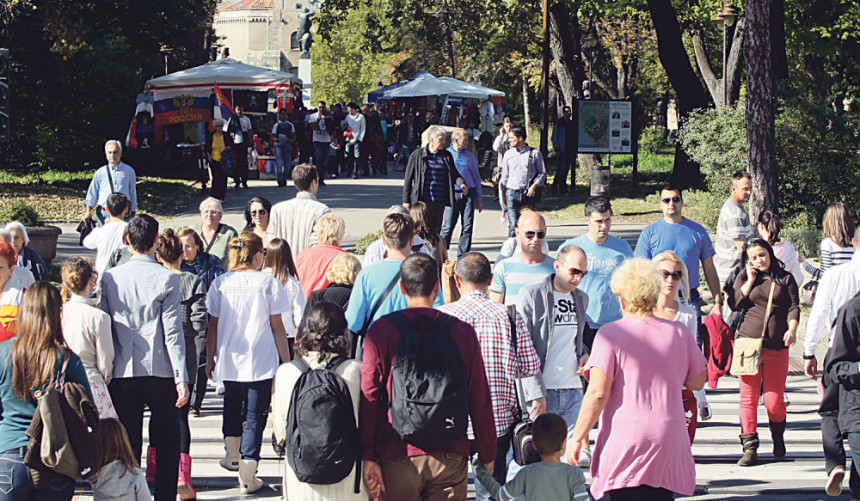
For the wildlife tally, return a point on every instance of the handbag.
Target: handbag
(746, 353)
(450, 293)
(521, 441)
(807, 292)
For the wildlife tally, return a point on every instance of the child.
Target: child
(119, 478)
(549, 480)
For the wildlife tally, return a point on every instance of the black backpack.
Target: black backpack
(429, 399)
(323, 444)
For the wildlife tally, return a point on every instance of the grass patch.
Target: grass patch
(58, 196)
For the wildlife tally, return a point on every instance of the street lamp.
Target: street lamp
(726, 17)
(589, 46)
(166, 52)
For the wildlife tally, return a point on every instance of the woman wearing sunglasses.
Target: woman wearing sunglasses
(257, 212)
(673, 275)
(769, 296)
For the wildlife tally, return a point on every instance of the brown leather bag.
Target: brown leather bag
(450, 293)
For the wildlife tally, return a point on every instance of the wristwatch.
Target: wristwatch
(808, 357)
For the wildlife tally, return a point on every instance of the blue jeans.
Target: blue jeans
(246, 409)
(351, 157)
(283, 160)
(516, 199)
(463, 209)
(16, 484)
(854, 443)
(321, 151)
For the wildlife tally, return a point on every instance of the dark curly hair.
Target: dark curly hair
(323, 329)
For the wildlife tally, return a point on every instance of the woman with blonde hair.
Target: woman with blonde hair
(313, 262)
(635, 369)
(341, 275)
(279, 263)
(836, 248)
(87, 330)
(673, 273)
(34, 359)
(246, 343)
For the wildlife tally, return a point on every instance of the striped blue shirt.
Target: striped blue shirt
(512, 274)
(436, 181)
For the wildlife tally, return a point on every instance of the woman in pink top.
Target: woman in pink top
(313, 262)
(636, 366)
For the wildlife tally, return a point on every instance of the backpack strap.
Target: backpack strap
(512, 315)
(369, 319)
(335, 363)
(301, 364)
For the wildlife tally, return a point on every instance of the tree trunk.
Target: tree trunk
(735, 60)
(759, 120)
(688, 89)
(779, 57)
(527, 122)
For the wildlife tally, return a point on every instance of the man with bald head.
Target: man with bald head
(529, 266)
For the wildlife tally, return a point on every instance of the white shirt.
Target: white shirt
(106, 240)
(785, 252)
(837, 286)
(688, 317)
(243, 303)
(295, 221)
(87, 331)
(559, 371)
(293, 317)
(357, 124)
(24, 275)
(320, 135)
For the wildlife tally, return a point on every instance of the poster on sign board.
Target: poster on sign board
(605, 126)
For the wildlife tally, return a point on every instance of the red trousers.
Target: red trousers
(771, 375)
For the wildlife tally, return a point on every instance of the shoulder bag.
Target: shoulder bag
(357, 337)
(746, 354)
(521, 441)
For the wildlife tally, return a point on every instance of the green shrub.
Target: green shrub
(806, 242)
(652, 139)
(365, 241)
(22, 213)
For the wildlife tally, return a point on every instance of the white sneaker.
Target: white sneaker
(585, 457)
(219, 389)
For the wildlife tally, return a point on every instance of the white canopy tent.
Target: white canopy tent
(428, 85)
(227, 73)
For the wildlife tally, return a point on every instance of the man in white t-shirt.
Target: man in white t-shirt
(108, 238)
(321, 123)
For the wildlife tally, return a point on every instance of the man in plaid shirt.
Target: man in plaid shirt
(492, 323)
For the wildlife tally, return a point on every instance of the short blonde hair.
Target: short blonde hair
(343, 269)
(242, 249)
(212, 202)
(685, 279)
(330, 229)
(637, 283)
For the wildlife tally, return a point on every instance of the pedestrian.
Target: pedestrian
(12, 293)
(420, 214)
(838, 285)
(564, 144)
(508, 360)
(32, 360)
(211, 230)
(429, 461)
(769, 227)
(768, 295)
(354, 126)
(27, 257)
(322, 125)
(675, 281)
(245, 344)
(197, 261)
(689, 241)
(195, 322)
(837, 229)
(19, 272)
(115, 177)
(295, 220)
(238, 128)
(218, 149)
(120, 477)
(143, 300)
(841, 368)
(283, 139)
(523, 174)
(733, 226)
(377, 250)
(87, 331)
(642, 449)
(107, 238)
(324, 339)
(548, 480)
(312, 263)
(464, 204)
(529, 266)
(257, 212)
(279, 264)
(341, 275)
(501, 145)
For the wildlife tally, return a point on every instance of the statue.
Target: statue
(304, 31)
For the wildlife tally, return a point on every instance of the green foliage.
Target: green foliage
(652, 139)
(717, 140)
(807, 242)
(365, 241)
(20, 212)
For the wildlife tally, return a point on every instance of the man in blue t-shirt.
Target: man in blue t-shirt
(689, 241)
(529, 266)
(605, 253)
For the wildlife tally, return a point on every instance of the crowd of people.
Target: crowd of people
(380, 385)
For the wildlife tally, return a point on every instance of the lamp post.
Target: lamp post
(589, 46)
(166, 52)
(726, 17)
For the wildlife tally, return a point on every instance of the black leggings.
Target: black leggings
(184, 429)
(641, 493)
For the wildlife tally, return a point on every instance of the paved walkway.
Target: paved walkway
(362, 204)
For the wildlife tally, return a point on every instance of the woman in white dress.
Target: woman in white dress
(323, 337)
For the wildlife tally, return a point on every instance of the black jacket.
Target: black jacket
(842, 362)
(416, 172)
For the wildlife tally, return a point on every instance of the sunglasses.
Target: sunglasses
(531, 234)
(261, 212)
(577, 272)
(675, 199)
(676, 275)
